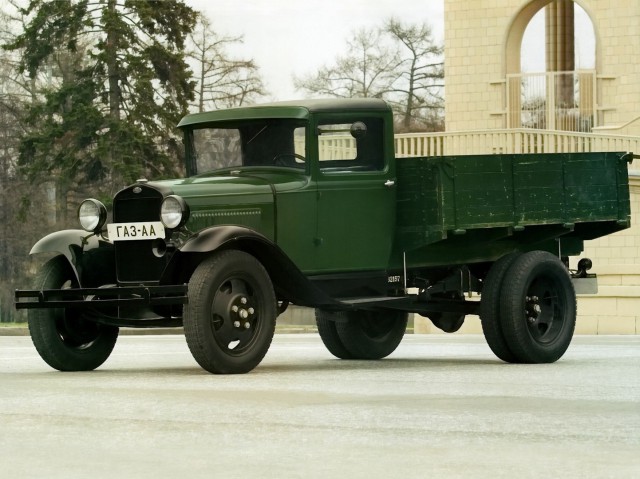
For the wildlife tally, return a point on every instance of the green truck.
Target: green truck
(305, 203)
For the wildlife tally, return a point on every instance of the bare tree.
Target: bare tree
(419, 87)
(222, 81)
(400, 63)
(366, 71)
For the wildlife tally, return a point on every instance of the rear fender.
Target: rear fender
(290, 283)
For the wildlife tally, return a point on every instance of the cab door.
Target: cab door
(356, 194)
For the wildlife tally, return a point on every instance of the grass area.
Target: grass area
(13, 325)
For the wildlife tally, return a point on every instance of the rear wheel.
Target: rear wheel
(372, 334)
(490, 308)
(326, 322)
(538, 309)
(65, 340)
(230, 319)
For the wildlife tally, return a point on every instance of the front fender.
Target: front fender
(290, 283)
(215, 237)
(69, 243)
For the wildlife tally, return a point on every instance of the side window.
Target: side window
(335, 144)
(355, 146)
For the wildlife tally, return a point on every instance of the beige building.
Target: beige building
(483, 61)
(494, 105)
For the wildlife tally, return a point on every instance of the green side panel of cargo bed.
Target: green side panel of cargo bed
(591, 187)
(481, 191)
(420, 202)
(448, 195)
(539, 195)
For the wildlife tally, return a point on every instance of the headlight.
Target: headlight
(174, 212)
(92, 215)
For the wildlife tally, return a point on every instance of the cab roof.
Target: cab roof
(295, 109)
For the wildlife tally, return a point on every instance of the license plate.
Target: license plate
(135, 231)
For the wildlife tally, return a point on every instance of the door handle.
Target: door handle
(389, 183)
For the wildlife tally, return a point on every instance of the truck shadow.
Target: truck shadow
(380, 365)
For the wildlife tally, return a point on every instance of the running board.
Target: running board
(412, 304)
(373, 301)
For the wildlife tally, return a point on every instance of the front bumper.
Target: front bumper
(107, 297)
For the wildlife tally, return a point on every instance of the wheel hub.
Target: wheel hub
(532, 309)
(540, 311)
(242, 312)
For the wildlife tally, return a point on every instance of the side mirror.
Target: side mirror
(358, 130)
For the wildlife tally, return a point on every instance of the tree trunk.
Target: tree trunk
(112, 61)
(408, 114)
(202, 80)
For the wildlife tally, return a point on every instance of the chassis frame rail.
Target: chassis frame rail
(104, 297)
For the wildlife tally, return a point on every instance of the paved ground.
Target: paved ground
(441, 406)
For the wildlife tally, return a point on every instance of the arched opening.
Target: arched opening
(551, 80)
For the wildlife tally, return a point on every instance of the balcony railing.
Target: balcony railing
(552, 100)
(514, 141)
(483, 142)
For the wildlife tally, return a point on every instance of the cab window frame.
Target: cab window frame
(375, 135)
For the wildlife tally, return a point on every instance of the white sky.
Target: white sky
(533, 43)
(296, 37)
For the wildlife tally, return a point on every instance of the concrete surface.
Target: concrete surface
(620, 319)
(440, 406)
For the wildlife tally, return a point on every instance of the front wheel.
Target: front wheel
(372, 334)
(538, 308)
(230, 319)
(63, 339)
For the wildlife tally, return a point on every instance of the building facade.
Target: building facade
(493, 106)
(483, 54)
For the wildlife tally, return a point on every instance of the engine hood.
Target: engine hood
(237, 182)
(243, 197)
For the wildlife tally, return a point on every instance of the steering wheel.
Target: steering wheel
(279, 159)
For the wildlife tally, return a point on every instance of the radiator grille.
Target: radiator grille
(135, 260)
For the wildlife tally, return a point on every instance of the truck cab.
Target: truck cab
(317, 159)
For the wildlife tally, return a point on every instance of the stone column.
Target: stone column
(560, 49)
(560, 36)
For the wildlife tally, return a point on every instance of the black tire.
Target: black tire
(63, 339)
(230, 319)
(490, 308)
(538, 309)
(372, 335)
(329, 332)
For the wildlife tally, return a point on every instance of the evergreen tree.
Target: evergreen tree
(118, 85)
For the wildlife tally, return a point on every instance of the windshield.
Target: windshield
(257, 143)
